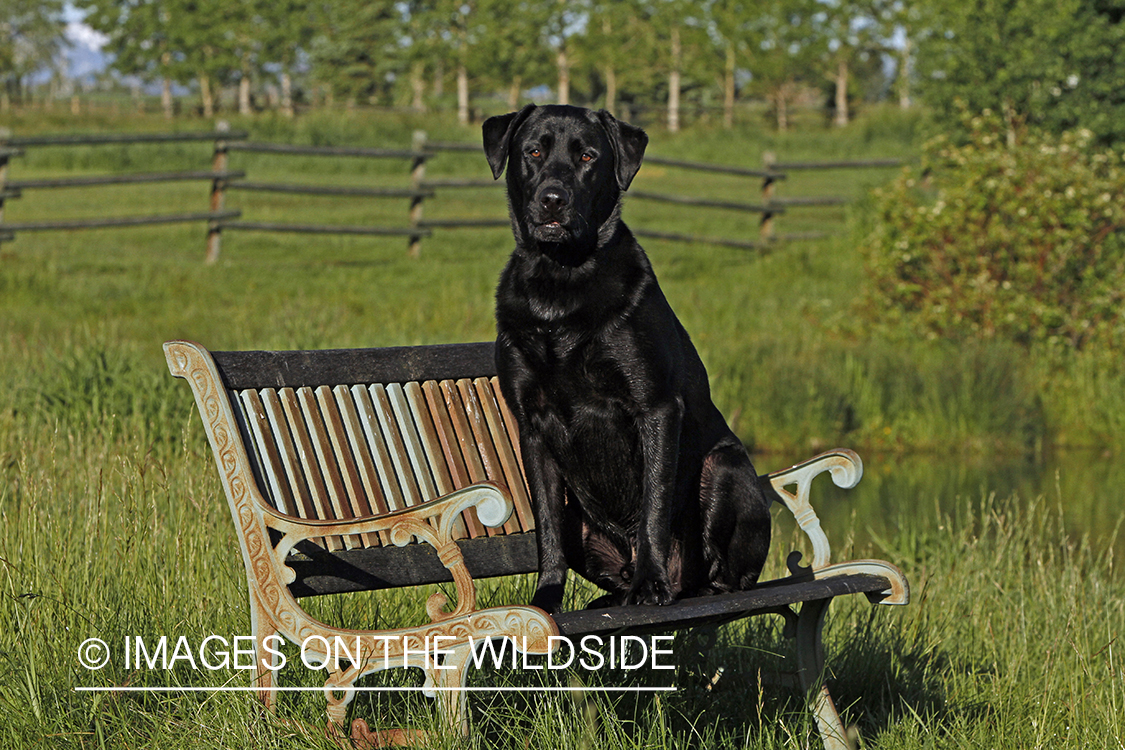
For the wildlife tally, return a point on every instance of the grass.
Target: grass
(113, 524)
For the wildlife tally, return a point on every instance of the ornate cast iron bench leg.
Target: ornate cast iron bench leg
(810, 670)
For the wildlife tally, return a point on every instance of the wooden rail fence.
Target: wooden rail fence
(219, 218)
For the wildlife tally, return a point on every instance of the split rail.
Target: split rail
(219, 218)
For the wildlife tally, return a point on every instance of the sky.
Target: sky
(83, 53)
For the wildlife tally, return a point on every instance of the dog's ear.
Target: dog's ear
(498, 133)
(628, 147)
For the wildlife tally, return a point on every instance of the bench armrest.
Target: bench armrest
(431, 522)
(846, 469)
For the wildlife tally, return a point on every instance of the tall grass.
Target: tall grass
(1010, 640)
(112, 521)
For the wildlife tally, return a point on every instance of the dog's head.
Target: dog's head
(567, 167)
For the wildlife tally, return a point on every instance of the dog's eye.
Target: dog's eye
(587, 157)
(535, 153)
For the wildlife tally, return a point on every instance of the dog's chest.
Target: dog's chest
(582, 406)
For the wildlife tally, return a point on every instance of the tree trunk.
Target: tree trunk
(842, 117)
(418, 86)
(564, 75)
(728, 89)
(166, 98)
(439, 79)
(514, 93)
(286, 94)
(674, 84)
(462, 95)
(244, 93)
(166, 86)
(905, 71)
(781, 101)
(205, 94)
(611, 90)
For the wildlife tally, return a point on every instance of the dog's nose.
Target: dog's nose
(554, 199)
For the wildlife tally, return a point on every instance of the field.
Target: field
(114, 526)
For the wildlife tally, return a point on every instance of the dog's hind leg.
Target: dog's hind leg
(736, 519)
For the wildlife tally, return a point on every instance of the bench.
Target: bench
(367, 469)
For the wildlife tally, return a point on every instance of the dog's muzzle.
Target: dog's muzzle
(550, 212)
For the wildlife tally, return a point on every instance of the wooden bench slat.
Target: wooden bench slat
(277, 484)
(294, 474)
(395, 446)
(369, 419)
(482, 440)
(502, 442)
(718, 608)
(454, 461)
(338, 507)
(244, 432)
(375, 568)
(466, 443)
(412, 442)
(356, 503)
(310, 463)
(511, 425)
(365, 464)
(431, 444)
(395, 364)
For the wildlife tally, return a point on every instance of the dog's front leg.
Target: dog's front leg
(660, 441)
(548, 497)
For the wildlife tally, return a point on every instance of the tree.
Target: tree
(617, 48)
(30, 38)
(731, 27)
(785, 52)
(507, 61)
(847, 31)
(1054, 63)
(286, 27)
(359, 48)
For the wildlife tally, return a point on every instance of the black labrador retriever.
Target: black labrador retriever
(637, 482)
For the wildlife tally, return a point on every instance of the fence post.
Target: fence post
(5, 154)
(218, 193)
(766, 230)
(417, 176)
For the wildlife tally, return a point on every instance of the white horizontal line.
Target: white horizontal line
(241, 689)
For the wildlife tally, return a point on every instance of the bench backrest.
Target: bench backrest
(363, 433)
(339, 434)
(349, 433)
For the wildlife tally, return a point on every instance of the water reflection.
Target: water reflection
(916, 490)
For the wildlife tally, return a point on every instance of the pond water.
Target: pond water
(918, 490)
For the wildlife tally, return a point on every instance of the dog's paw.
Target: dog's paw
(649, 590)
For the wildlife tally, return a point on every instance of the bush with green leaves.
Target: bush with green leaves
(990, 240)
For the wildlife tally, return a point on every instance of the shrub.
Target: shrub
(1022, 242)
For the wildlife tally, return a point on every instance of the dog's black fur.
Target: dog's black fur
(637, 482)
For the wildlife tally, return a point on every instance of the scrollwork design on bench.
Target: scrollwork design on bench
(274, 610)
